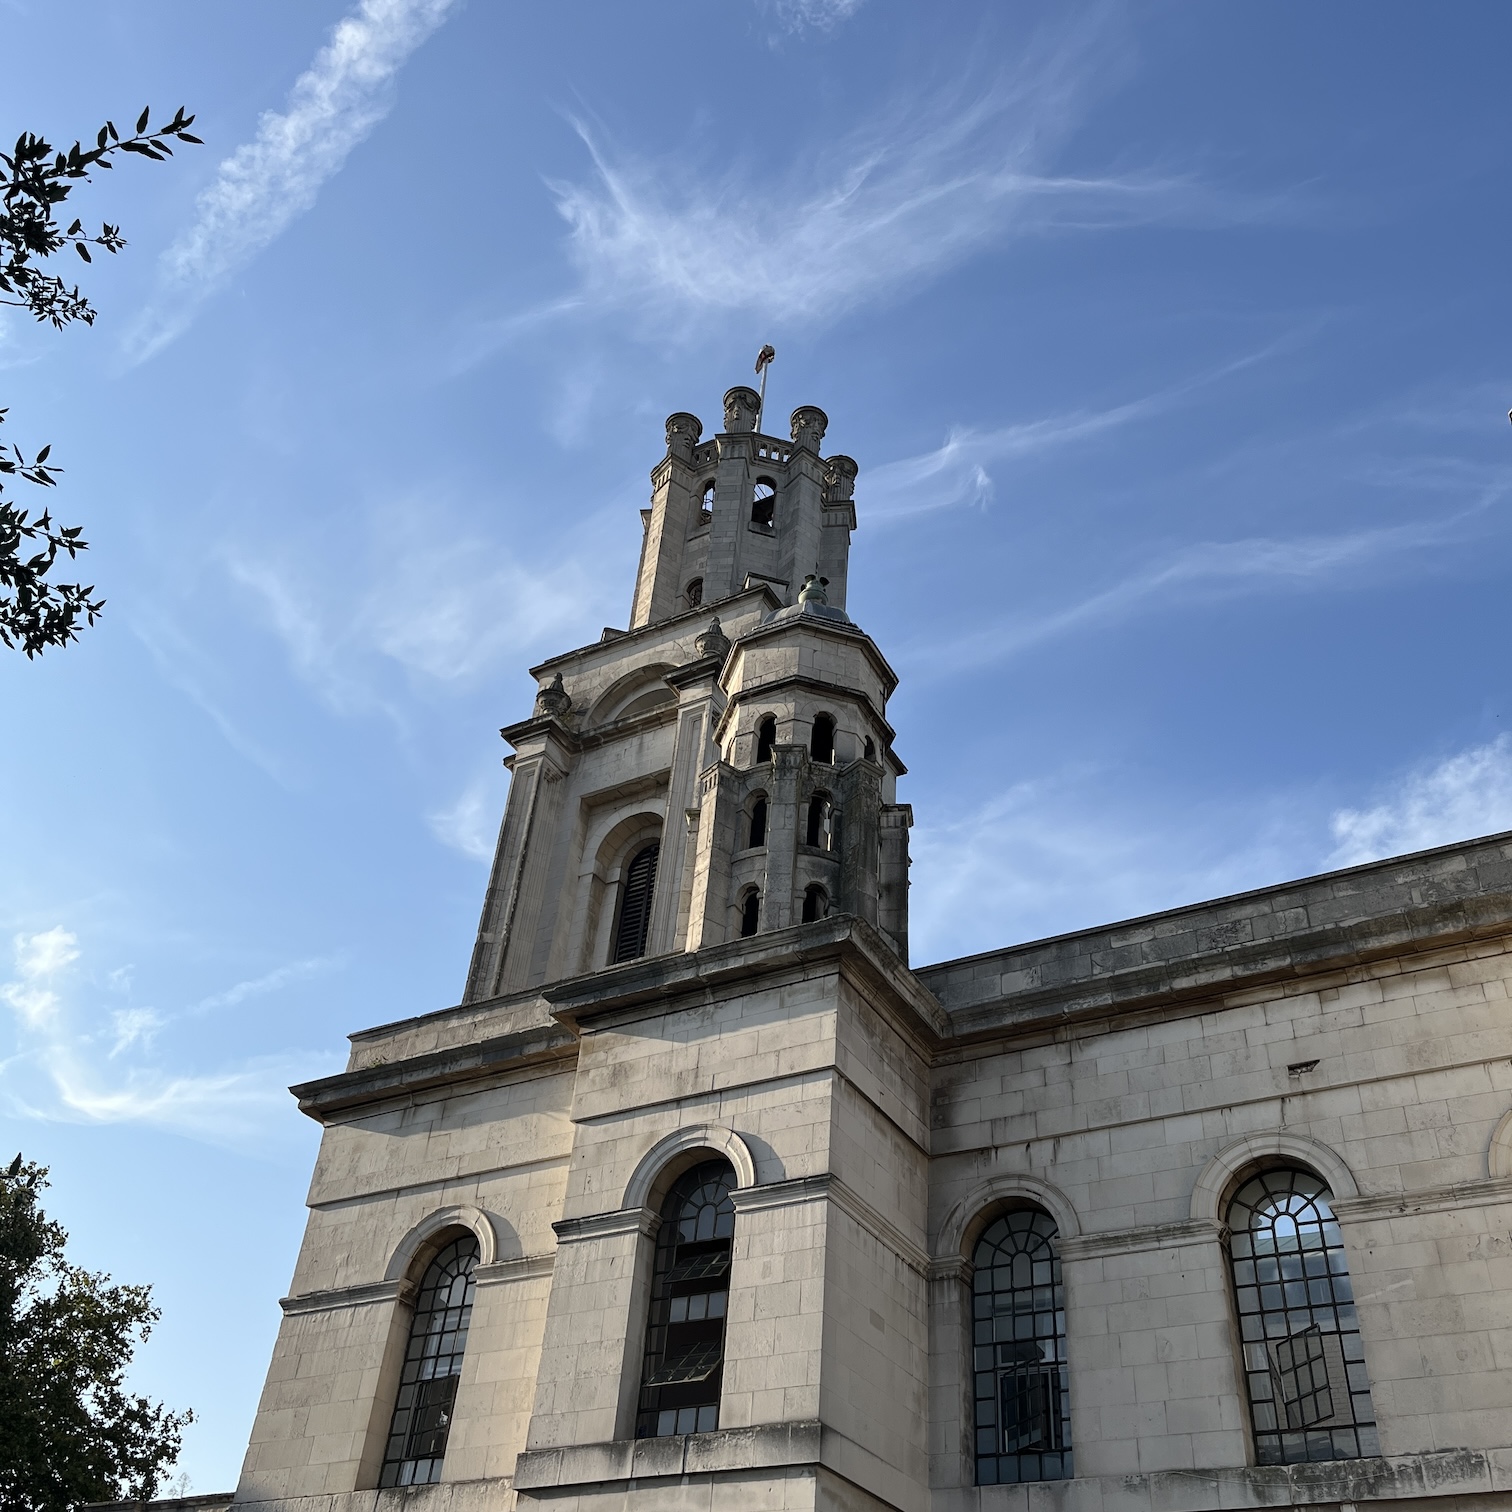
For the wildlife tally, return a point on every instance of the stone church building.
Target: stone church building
(704, 1197)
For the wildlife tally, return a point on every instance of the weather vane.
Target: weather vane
(763, 362)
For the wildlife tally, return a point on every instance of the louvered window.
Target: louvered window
(432, 1368)
(1304, 1364)
(635, 904)
(684, 1363)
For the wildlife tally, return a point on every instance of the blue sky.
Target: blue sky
(1172, 341)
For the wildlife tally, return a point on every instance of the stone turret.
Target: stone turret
(738, 729)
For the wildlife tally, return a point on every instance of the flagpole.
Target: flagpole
(763, 362)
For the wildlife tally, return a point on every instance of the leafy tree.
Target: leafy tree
(36, 612)
(70, 1432)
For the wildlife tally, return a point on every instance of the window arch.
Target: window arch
(432, 1367)
(766, 737)
(750, 913)
(815, 903)
(817, 830)
(764, 504)
(636, 891)
(694, 593)
(1304, 1365)
(690, 1287)
(822, 742)
(1023, 1403)
(757, 822)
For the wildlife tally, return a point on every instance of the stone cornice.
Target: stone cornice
(761, 690)
(1492, 1192)
(341, 1297)
(827, 1187)
(521, 1268)
(1158, 1236)
(421, 1073)
(1340, 920)
(656, 982)
(604, 1225)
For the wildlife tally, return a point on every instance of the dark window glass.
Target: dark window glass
(758, 822)
(1023, 1406)
(750, 914)
(432, 1367)
(822, 745)
(764, 505)
(695, 593)
(815, 903)
(766, 738)
(817, 832)
(635, 904)
(689, 1289)
(1303, 1362)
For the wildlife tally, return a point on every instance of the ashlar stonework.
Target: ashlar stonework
(964, 1236)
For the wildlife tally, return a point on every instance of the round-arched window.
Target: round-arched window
(636, 892)
(684, 1364)
(1304, 1365)
(432, 1367)
(1023, 1403)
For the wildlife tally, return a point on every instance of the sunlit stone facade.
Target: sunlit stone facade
(704, 1197)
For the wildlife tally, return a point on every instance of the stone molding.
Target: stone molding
(1219, 1174)
(459, 1216)
(1005, 1188)
(521, 1268)
(337, 1298)
(827, 1187)
(1440, 1199)
(1158, 1236)
(1499, 1151)
(605, 1225)
(713, 1137)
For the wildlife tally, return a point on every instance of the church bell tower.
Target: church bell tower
(723, 767)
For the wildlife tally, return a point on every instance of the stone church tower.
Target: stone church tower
(703, 1198)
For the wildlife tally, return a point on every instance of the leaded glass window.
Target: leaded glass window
(1023, 1404)
(1304, 1365)
(690, 1288)
(432, 1368)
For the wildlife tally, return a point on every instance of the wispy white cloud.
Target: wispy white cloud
(956, 472)
(1458, 798)
(814, 15)
(268, 182)
(470, 824)
(905, 197)
(272, 981)
(442, 609)
(1221, 568)
(66, 1070)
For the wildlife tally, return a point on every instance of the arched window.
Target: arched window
(689, 1289)
(706, 503)
(815, 903)
(822, 743)
(695, 593)
(750, 913)
(757, 833)
(432, 1367)
(764, 504)
(869, 750)
(636, 892)
(817, 831)
(766, 738)
(1023, 1406)
(1303, 1361)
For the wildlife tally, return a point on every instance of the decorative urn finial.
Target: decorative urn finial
(839, 479)
(713, 642)
(813, 588)
(683, 431)
(553, 701)
(809, 425)
(741, 407)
